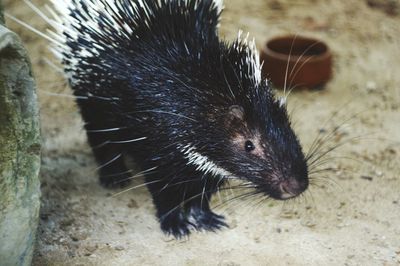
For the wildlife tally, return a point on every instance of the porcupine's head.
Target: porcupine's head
(251, 138)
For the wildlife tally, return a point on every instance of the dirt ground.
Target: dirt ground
(350, 217)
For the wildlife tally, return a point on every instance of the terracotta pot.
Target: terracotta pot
(308, 62)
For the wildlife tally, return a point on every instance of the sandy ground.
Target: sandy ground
(349, 217)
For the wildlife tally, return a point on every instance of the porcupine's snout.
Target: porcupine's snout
(289, 183)
(291, 188)
(287, 188)
(283, 183)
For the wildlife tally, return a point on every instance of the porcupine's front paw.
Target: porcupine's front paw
(177, 224)
(207, 220)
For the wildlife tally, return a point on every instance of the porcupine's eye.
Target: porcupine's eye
(249, 146)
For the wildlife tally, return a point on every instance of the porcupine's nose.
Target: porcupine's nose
(291, 188)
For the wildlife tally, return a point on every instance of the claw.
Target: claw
(180, 225)
(207, 220)
(176, 224)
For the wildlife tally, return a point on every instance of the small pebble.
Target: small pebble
(341, 225)
(119, 248)
(133, 204)
(369, 178)
(91, 249)
(287, 214)
(233, 224)
(371, 86)
(44, 216)
(309, 224)
(228, 263)
(379, 173)
(66, 223)
(71, 253)
(78, 236)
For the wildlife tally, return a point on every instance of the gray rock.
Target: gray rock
(1, 13)
(19, 153)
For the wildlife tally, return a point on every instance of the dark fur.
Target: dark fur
(172, 84)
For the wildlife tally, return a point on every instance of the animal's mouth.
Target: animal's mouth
(284, 189)
(286, 193)
(288, 189)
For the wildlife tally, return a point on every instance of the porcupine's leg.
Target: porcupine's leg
(198, 206)
(183, 205)
(112, 170)
(168, 200)
(109, 157)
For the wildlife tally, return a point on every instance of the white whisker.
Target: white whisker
(166, 112)
(63, 95)
(39, 12)
(53, 66)
(127, 141)
(287, 67)
(33, 29)
(109, 162)
(141, 173)
(298, 59)
(138, 186)
(106, 129)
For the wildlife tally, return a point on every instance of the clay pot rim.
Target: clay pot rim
(291, 40)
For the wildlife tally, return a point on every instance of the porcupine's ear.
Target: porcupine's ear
(235, 114)
(236, 111)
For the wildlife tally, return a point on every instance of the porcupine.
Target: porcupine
(154, 81)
